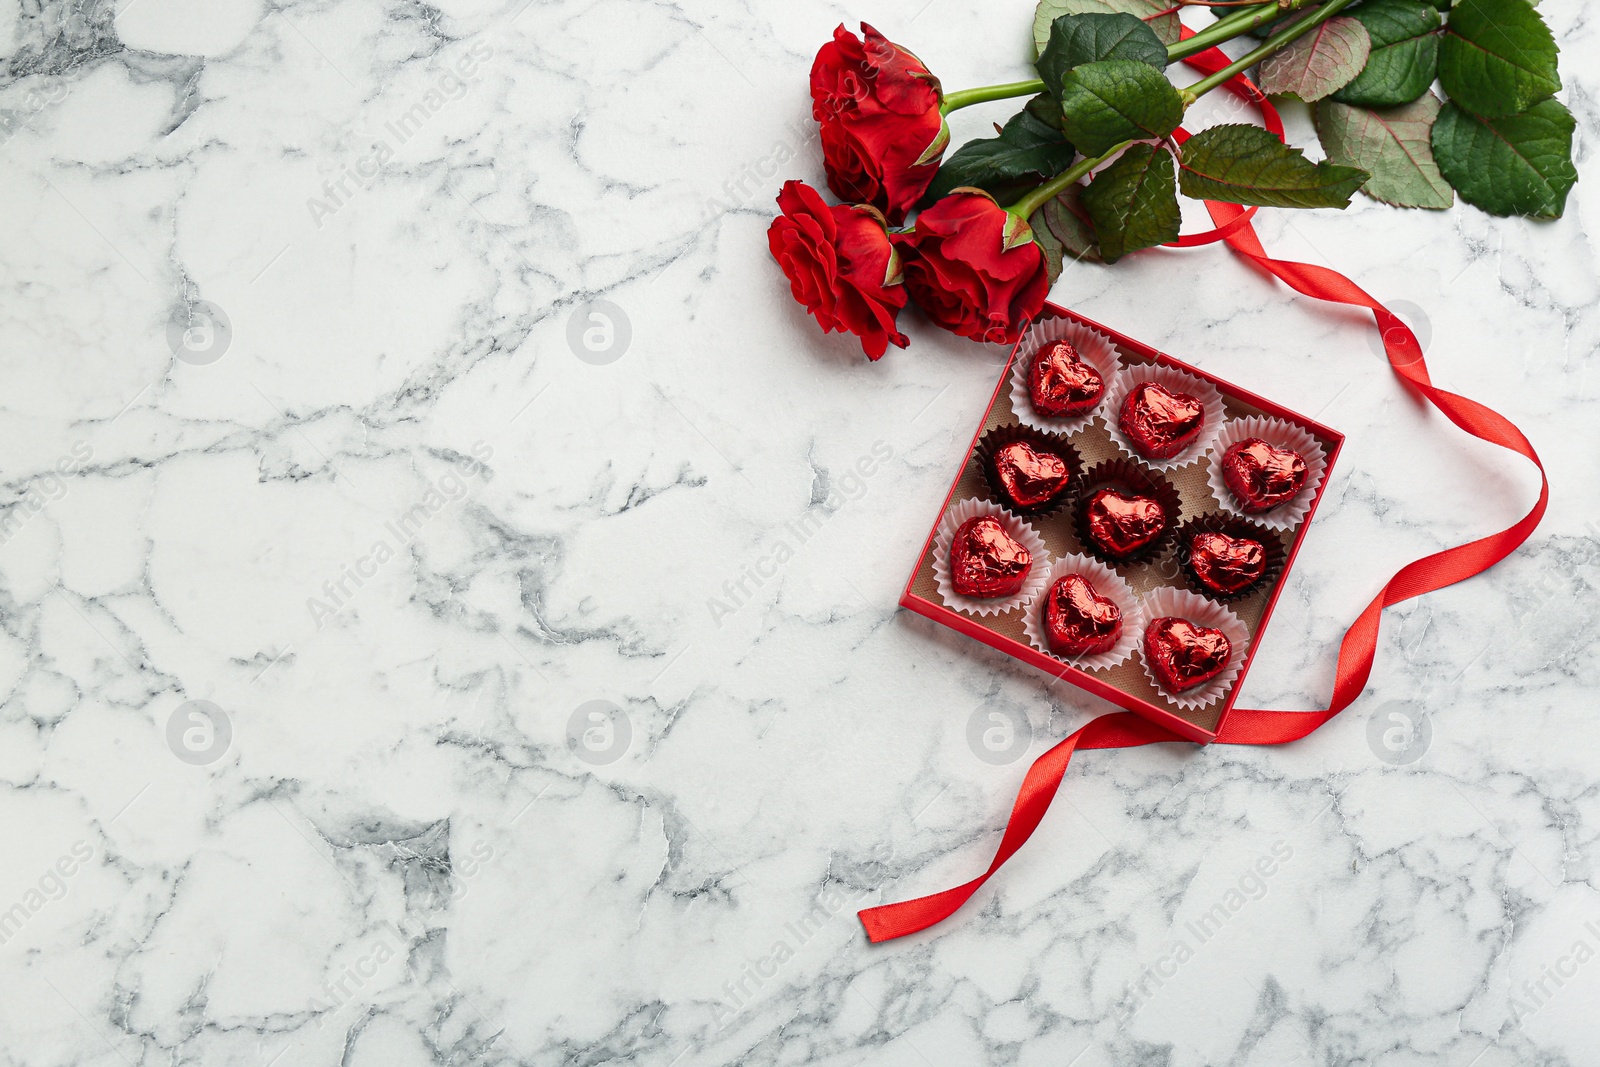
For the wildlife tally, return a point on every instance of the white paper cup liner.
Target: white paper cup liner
(1279, 434)
(1094, 348)
(973, 508)
(1108, 583)
(1177, 381)
(1182, 604)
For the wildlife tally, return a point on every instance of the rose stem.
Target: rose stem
(1039, 197)
(1234, 25)
(966, 97)
(1025, 207)
(1226, 29)
(1279, 40)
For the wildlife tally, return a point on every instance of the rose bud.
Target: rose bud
(840, 265)
(882, 133)
(974, 267)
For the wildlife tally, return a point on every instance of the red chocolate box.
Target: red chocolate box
(1126, 684)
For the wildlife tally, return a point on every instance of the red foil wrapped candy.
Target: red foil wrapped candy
(1158, 422)
(1262, 476)
(986, 561)
(1078, 621)
(1030, 476)
(1183, 655)
(1061, 385)
(1225, 564)
(1120, 524)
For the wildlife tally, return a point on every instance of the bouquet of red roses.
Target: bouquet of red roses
(1092, 166)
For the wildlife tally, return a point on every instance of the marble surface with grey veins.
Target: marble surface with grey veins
(446, 619)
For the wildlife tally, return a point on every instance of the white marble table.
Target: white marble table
(397, 527)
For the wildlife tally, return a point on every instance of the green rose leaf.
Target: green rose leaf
(1063, 231)
(1515, 165)
(1325, 59)
(1242, 164)
(1405, 53)
(1027, 152)
(1133, 203)
(1027, 130)
(1394, 145)
(1159, 15)
(1079, 39)
(1497, 57)
(1048, 244)
(1106, 103)
(1046, 109)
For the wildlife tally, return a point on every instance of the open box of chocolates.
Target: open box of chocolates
(1124, 521)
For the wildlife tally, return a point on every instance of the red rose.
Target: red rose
(974, 268)
(840, 265)
(882, 134)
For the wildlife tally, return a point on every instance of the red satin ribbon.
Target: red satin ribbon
(1357, 650)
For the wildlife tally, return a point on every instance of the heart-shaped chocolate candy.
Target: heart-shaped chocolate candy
(1184, 655)
(986, 561)
(1158, 422)
(1061, 384)
(1121, 525)
(1226, 564)
(1030, 476)
(1262, 476)
(1079, 621)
